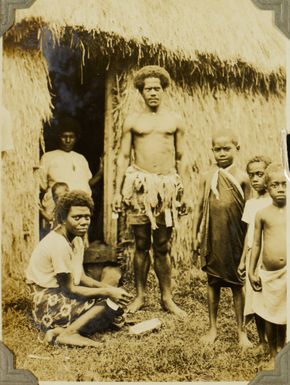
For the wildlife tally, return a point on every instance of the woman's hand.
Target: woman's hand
(119, 295)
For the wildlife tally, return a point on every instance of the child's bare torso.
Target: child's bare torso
(154, 141)
(274, 237)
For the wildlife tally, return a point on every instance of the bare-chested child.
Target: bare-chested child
(256, 171)
(217, 220)
(269, 281)
(151, 187)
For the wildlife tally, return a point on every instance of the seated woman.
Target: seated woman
(67, 304)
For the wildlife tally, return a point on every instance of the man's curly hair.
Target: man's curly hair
(153, 71)
(70, 199)
(259, 159)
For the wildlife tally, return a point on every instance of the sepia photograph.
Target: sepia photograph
(143, 190)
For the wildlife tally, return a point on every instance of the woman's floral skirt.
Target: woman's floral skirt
(51, 308)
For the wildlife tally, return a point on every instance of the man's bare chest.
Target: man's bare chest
(152, 125)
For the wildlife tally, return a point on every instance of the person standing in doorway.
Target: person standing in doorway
(66, 166)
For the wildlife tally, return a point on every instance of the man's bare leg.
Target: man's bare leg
(71, 335)
(162, 265)
(142, 235)
(238, 297)
(213, 296)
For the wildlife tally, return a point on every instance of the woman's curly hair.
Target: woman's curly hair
(72, 198)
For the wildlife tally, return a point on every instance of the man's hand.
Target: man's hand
(196, 250)
(117, 203)
(196, 245)
(255, 281)
(185, 207)
(120, 295)
(242, 270)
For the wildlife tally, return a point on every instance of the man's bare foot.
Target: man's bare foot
(244, 341)
(210, 337)
(51, 335)
(170, 306)
(260, 349)
(136, 305)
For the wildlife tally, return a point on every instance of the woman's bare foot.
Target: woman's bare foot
(244, 341)
(51, 334)
(171, 306)
(136, 305)
(210, 337)
(75, 339)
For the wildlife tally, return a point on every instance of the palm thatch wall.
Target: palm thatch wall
(229, 73)
(28, 100)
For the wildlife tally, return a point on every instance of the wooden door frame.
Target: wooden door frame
(110, 224)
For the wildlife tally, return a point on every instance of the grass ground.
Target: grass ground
(172, 353)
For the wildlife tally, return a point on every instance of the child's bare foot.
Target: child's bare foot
(210, 337)
(170, 306)
(270, 365)
(51, 335)
(244, 341)
(136, 305)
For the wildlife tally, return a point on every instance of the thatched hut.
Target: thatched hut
(226, 59)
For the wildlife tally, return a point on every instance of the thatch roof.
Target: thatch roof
(228, 29)
(229, 42)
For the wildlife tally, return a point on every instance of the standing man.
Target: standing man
(151, 188)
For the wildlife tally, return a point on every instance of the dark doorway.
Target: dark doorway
(78, 90)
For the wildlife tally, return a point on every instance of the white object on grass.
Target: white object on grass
(145, 326)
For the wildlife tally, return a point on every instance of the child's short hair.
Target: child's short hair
(151, 72)
(259, 159)
(56, 186)
(72, 198)
(272, 169)
(227, 133)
